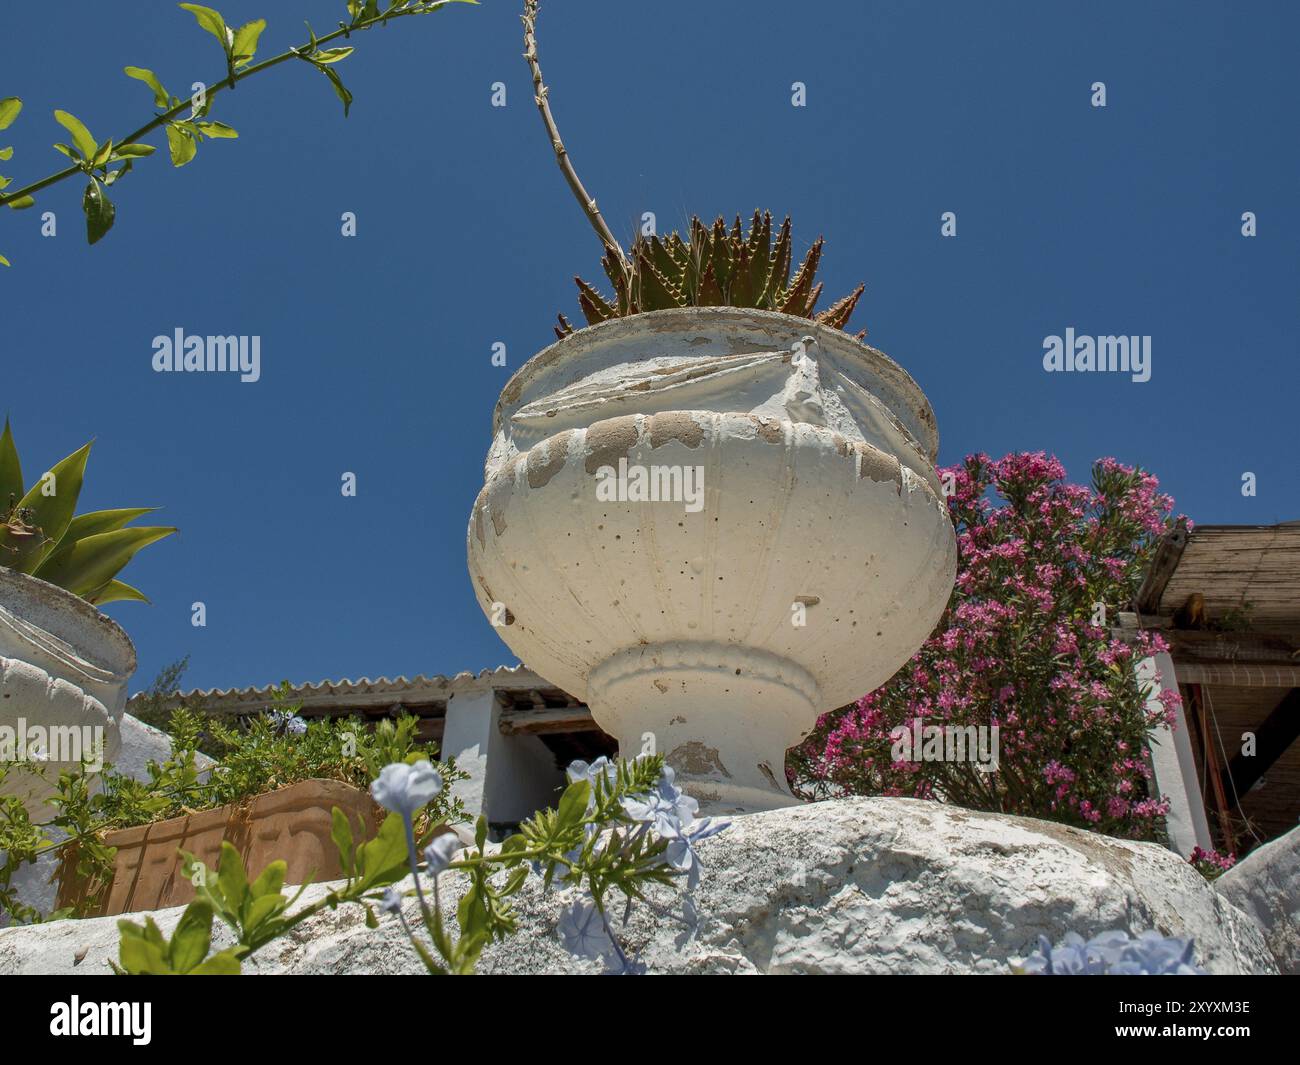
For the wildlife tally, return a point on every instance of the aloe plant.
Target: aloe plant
(40, 534)
(713, 267)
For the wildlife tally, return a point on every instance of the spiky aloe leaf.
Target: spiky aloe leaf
(655, 292)
(779, 273)
(715, 266)
(837, 314)
(796, 298)
(11, 470)
(52, 512)
(92, 562)
(593, 303)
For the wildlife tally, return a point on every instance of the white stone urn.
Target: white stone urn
(64, 668)
(713, 525)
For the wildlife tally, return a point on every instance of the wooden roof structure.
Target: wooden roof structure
(1227, 598)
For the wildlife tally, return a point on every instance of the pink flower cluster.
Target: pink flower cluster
(1027, 644)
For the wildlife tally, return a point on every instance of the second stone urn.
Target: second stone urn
(713, 525)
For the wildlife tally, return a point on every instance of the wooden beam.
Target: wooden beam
(1277, 732)
(540, 722)
(1210, 755)
(1163, 564)
(1232, 647)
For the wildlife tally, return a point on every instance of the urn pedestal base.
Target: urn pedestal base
(722, 715)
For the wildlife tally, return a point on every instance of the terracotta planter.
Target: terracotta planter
(292, 824)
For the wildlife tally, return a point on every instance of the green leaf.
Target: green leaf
(9, 108)
(384, 859)
(216, 129)
(573, 804)
(53, 513)
(231, 877)
(192, 938)
(245, 46)
(3, 261)
(270, 882)
(225, 963)
(181, 144)
(6, 153)
(480, 832)
(86, 144)
(95, 560)
(341, 834)
(141, 948)
(100, 211)
(211, 21)
(340, 90)
(150, 79)
(134, 151)
(114, 592)
(103, 154)
(71, 153)
(20, 203)
(323, 56)
(11, 469)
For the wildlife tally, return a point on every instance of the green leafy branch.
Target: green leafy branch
(105, 162)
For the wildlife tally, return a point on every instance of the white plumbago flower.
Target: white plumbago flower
(284, 721)
(438, 854)
(583, 932)
(681, 854)
(391, 902)
(1112, 953)
(405, 789)
(667, 807)
(601, 767)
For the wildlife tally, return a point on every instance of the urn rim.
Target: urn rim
(650, 322)
(70, 619)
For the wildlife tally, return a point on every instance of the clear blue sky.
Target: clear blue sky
(375, 350)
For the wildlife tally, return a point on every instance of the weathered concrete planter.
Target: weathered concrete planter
(64, 666)
(679, 620)
(292, 825)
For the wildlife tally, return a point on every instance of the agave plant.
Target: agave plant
(40, 535)
(713, 267)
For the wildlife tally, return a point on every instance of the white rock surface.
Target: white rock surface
(851, 886)
(1266, 886)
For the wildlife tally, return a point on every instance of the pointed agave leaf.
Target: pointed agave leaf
(837, 314)
(94, 522)
(9, 108)
(779, 277)
(85, 143)
(95, 560)
(244, 46)
(813, 297)
(720, 254)
(52, 514)
(116, 592)
(11, 470)
(564, 328)
(150, 79)
(760, 255)
(99, 210)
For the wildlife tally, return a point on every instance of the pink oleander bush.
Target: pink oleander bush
(1211, 864)
(1024, 645)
